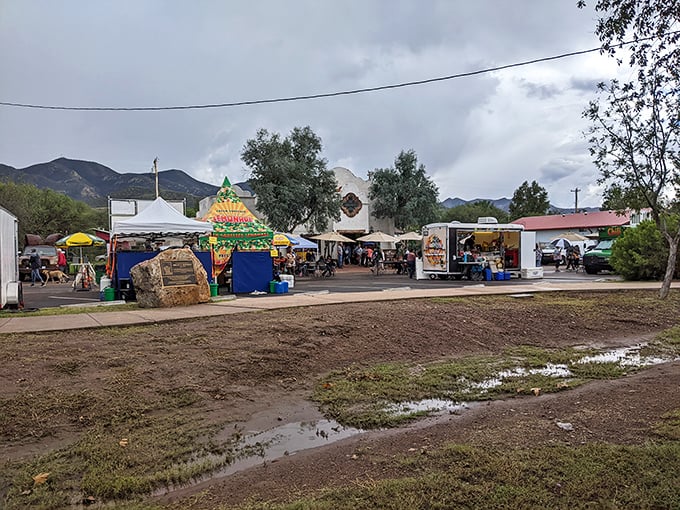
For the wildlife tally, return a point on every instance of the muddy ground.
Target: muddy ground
(260, 368)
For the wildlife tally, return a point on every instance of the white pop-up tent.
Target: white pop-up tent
(160, 218)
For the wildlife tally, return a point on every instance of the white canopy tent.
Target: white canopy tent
(160, 218)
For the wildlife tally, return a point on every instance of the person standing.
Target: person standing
(358, 252)
(369, 256)
(411, 263)
(557, 258)
(340, 254)
(61, 260)
(539, 255)
(34, 261)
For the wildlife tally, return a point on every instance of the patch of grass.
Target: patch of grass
(361, 396)
(68, 367)
(671, 336)
(119, 462)
(593, 370)
(39, 412)
(71, 310)
(590, 477)
(669, 426)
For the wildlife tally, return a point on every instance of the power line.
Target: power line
(328, 94)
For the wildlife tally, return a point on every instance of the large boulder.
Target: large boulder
(174, 277)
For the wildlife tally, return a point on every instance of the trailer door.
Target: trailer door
(527, 255)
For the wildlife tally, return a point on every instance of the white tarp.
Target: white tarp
(160, 218)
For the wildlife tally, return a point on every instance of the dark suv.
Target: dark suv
(48, 259)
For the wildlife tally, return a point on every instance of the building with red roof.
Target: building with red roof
(552, 226)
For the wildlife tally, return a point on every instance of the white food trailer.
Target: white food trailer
(10, 287)
(466, 250)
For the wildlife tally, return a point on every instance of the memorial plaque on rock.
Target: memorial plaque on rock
(177, 272)
(174, 277)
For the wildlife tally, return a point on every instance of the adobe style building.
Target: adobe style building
(356, 216)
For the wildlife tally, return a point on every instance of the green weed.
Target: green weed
(458, 476)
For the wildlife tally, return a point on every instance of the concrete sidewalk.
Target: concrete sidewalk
(244, 304)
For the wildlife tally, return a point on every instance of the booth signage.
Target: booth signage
(178, 272)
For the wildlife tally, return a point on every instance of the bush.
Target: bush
(640, 253)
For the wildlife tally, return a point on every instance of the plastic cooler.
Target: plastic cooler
(288, 278)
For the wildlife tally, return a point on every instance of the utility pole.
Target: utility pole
(575, 192)
(155, 169)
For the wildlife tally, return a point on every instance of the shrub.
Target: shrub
(640, 253)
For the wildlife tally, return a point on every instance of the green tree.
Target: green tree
(640, 253)
(291, 181)
(45, 212)
(468, 213)
(635, 126)
(529, 200)
(404, 193)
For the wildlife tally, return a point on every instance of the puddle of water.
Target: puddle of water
(626, 357)
(293, 437)
(558, 371)
(276, 443)
(430, 405)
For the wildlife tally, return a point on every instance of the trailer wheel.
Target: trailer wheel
(433, 277)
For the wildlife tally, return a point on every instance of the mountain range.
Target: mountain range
(93, 183)
(504, 205)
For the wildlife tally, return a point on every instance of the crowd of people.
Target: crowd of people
(367, 255)
(569, 256)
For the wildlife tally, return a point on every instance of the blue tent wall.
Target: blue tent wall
(251, 270)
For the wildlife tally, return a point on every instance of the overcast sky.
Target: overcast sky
(478, 137)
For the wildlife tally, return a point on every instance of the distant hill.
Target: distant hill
(501, 203)
(504, 205)
(93, 183)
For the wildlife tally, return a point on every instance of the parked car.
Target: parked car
(48, 259)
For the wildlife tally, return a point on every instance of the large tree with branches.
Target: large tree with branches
(635, 126)
(404, 193)
(290, 178)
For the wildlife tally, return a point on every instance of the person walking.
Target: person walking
(34, 261)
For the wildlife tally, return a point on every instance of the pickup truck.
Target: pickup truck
(48, 259)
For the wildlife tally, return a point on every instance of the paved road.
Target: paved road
(56, 294)
(352, 279)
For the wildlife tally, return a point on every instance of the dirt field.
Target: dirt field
(260, 368)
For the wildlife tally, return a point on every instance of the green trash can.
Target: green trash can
(109, 294)
(272, 287)
(214, 289)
